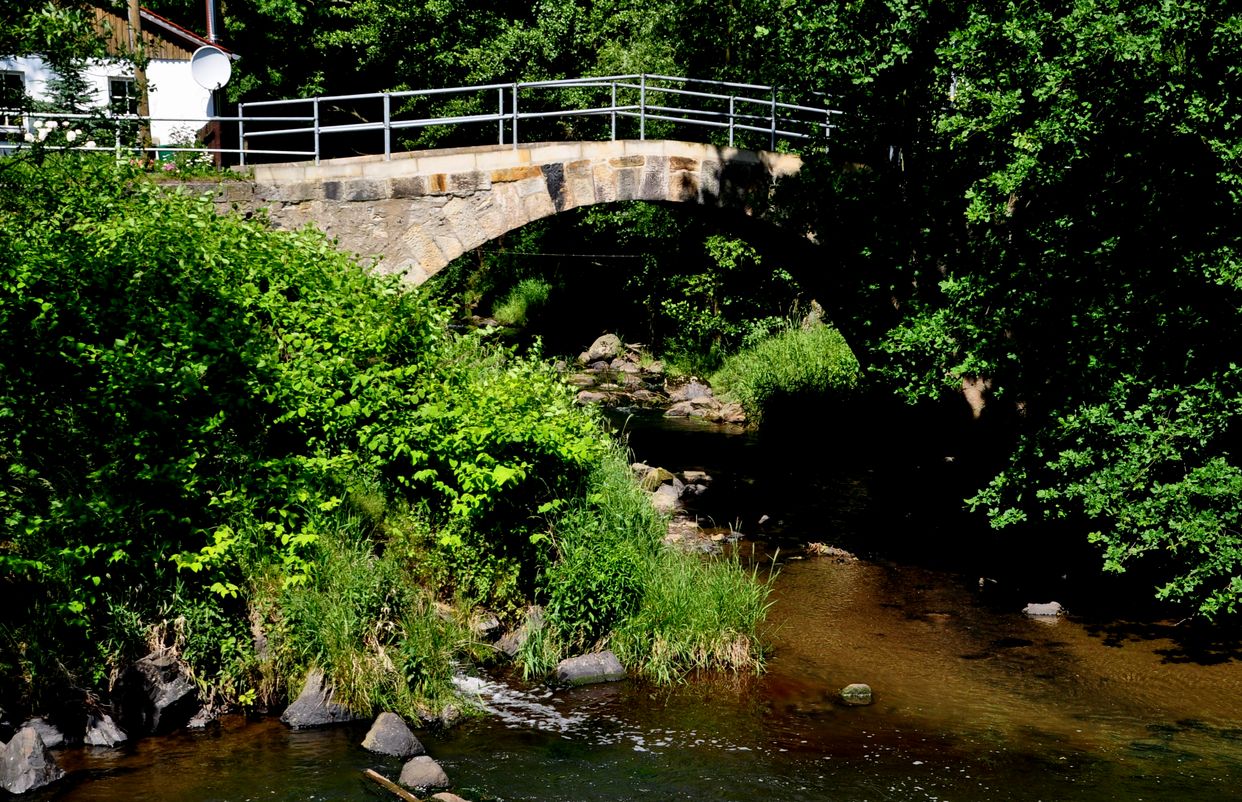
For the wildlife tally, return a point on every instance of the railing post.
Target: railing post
(387, 127)
(515, 115)
(730, 120)
(773, 138)
(315, 102)
(241, 133)
(642, 106)
(614, 111)
(500, 116)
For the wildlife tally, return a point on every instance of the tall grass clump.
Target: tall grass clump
(663, 612)
(795, 362)
(527, 298)
(695, 613)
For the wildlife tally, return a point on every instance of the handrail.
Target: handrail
(649, 98)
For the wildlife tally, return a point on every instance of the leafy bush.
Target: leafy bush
(207, 420)
(797, 361)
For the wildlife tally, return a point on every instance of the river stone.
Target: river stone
(607, 347)
(690, 392)
(423, 772)
(101, 730)
(25, 763)
(157, 695)
(390, 736)
(484, 625)
(590, 397)
(51, 735)
(588, 669)
(856, 694)
(666, 499)
(314, 706)
(654, 477)
(1049, 610)
(445, 796)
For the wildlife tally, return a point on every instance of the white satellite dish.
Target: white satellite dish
(210, 67)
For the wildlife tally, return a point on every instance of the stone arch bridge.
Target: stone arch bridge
(418, 211)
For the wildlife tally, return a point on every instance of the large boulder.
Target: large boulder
(49, 732)
(157, 695)
(315, 707)
(422, 772)
(101, 730)
(588, 669)
(605, 348)
(25, 763)
(389, 735)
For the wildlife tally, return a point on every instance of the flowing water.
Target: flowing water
(973, 701)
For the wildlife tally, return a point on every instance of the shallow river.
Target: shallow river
(973, 701)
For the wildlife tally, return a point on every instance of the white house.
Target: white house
(178, 105)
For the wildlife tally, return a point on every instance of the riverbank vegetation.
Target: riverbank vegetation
(238, 444)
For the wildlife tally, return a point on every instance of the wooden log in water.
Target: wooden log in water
(390, 785)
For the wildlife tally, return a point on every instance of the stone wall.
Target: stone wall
(418, 211)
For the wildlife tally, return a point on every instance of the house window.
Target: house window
(123, 96)
(12, 99)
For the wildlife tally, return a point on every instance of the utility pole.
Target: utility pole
(139, 51)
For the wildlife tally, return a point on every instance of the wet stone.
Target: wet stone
(857, 694)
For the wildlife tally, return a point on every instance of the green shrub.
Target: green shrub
(797, 361)
(527, 298)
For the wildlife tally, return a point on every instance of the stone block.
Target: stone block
(506, 174)
(655, 180)
(682, 163)
(683, 187)
(532, 186)
(709, 181)
(627, 161)
(469, 183)
(538, 206)
(556, 153)
(464, 223)
(644, 147)
(628, 183)
(412, 186)
(502, 159)
(450, 163)
(605, 187)
(363, 189)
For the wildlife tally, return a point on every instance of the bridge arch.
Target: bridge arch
(418, 211)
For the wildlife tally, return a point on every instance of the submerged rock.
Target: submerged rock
(445, 796)
(314, 706)
(857, 694)
(423, 772)
(588, 669)
(25, 763)
(1049, 610)
(389, 735)
(101, 730)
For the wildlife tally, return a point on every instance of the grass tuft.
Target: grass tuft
(797, 361)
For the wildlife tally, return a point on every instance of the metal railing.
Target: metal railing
(637, 106)
(733, 110)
